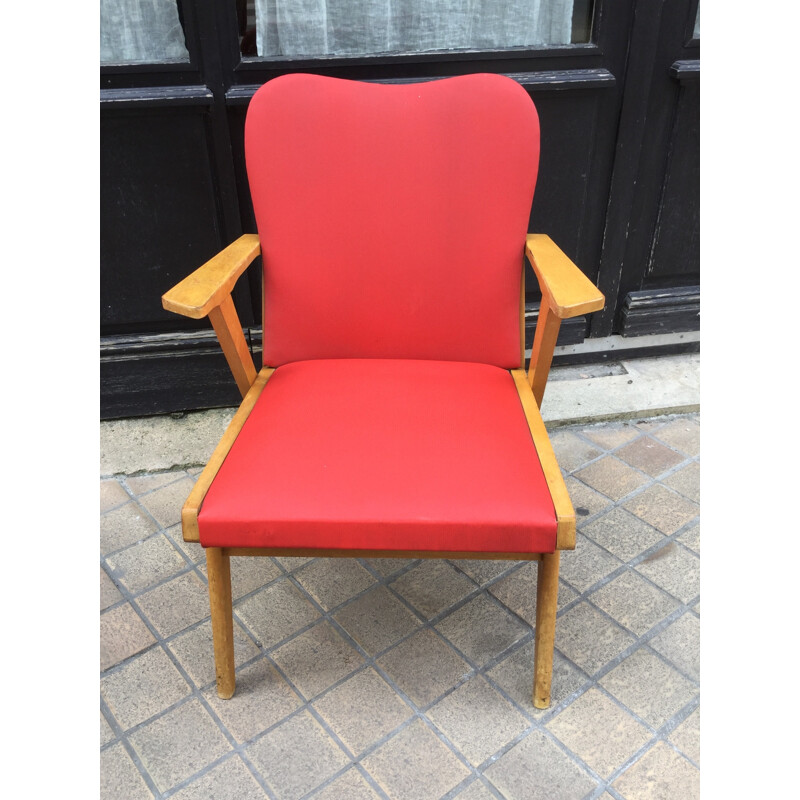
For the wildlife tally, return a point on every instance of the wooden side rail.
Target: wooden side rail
(565, 513)
(207, 292)
(192, 506)
(566, 292)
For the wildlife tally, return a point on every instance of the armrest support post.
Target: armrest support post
(544, 344)
(231, 338)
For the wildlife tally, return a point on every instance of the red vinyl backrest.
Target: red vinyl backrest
(392, 218)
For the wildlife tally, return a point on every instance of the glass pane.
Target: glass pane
(141, 31)
(274, 28)
(697, 23)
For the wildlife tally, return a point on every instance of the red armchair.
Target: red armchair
(393, 415)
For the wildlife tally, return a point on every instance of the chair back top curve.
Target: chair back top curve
(392, 218)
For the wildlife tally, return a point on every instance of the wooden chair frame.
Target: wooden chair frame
(566, 292)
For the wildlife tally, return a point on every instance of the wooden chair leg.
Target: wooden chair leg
(546, 605)
(219, 593)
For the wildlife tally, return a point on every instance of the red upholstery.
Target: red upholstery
(380, 454)
(392, 217)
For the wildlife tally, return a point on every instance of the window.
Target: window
(141, 31)
(319, 28)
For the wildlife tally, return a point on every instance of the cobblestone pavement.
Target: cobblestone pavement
(405, 679)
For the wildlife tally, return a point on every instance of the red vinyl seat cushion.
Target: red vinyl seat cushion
(379, 454)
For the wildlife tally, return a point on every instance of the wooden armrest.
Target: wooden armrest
(207, 292)
(567, 291)
(209, 285)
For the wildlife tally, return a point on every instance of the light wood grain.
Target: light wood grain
(218, 564)
(192, 506)
(544, 344)
(565, 513)
(567, 291)
(231, 338)
(545, 636)
(208, 285)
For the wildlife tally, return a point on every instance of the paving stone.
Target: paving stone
(331, 581)
(475, 791)
(586, 564)
(680, 644)
(590, 639)
(634, 602)
(622, 533)
(106, 731)
(482, 629)
(230, 780)
(192, 550)
(683, 434)
(649, 455)
(362, 710)
(661, 774)
(276, 612)
(142, 484)
(433, 586)
(194, 649)
(609, 436)
(142, 688)
(291, 563)
(424, 667)
(296, 757)
(112, 494)
(176, 604)
(415, 765)
(611, 477)
(691, 538)
(175, 746)
(586, 501)
(665, 510)
(262, 699)
(477, 719)
(571, 450)
(517, 591)
(675, 570)
(686, 481)
(123, 527)
(248, 573)
(144, 564)
(122, 634)
(388, 566)
(316, 659)
(686, 737)
(603, 747)
(119, 776)
(109, 594)
(165, 504)
(514, 675)
(654, 691)
(376, 620)
(350, 786)
(538, 769)
(482, 570)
